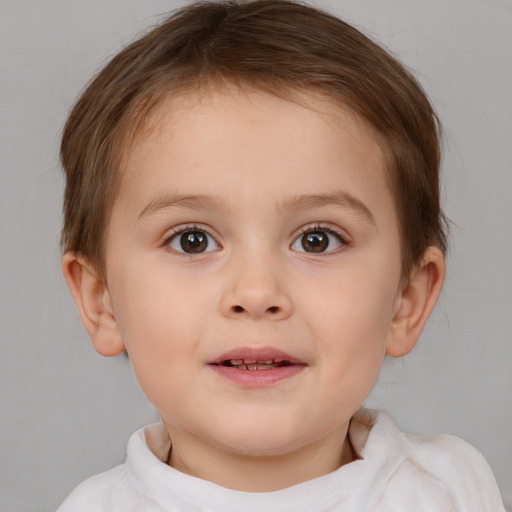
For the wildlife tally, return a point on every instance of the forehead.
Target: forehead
(254, 146)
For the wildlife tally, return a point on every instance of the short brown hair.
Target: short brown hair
(271, 45)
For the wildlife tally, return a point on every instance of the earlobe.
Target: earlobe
(92, 299)
(416, 302)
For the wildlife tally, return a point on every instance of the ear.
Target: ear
(415, 303)
(94, 304)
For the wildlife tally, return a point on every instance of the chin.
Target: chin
(261, 441)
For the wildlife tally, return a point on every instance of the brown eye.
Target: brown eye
(318, 241)
(193, 242)
(314, 241)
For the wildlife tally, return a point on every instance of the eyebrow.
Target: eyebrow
(192, 201)
(293, 203)
(341, 198)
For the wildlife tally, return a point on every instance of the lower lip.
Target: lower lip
(257, 378)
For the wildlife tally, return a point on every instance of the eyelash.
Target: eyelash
(312, 228)
(324, 228)
(176, 232)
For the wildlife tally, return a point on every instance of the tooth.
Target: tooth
(240, 364)
(250, 361)
(259, 366)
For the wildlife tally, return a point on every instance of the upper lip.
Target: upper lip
(257, 354)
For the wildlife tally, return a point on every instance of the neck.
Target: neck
(259, 473)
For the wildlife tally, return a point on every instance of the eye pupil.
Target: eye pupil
(315, 241)
(193, 241)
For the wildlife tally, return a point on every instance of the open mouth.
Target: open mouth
(253, 364)
(258, 367)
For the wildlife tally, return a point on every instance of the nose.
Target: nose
(256, 290)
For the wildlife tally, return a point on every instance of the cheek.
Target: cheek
(358, 301)
(352, 316)
(161, 322)
(156, 303)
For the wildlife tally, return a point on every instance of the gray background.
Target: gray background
(66, 413)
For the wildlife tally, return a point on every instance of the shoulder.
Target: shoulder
(130, 486)
(450, 458)
(96, 493)
(449, 455)
(445, 471)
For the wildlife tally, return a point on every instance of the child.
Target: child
(252, 214)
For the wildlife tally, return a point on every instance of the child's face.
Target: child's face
(250, 228)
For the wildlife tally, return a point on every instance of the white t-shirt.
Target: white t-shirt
(396, 472)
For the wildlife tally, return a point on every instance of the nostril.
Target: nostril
(241, 309)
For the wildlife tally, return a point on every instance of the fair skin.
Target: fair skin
(250, 230)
